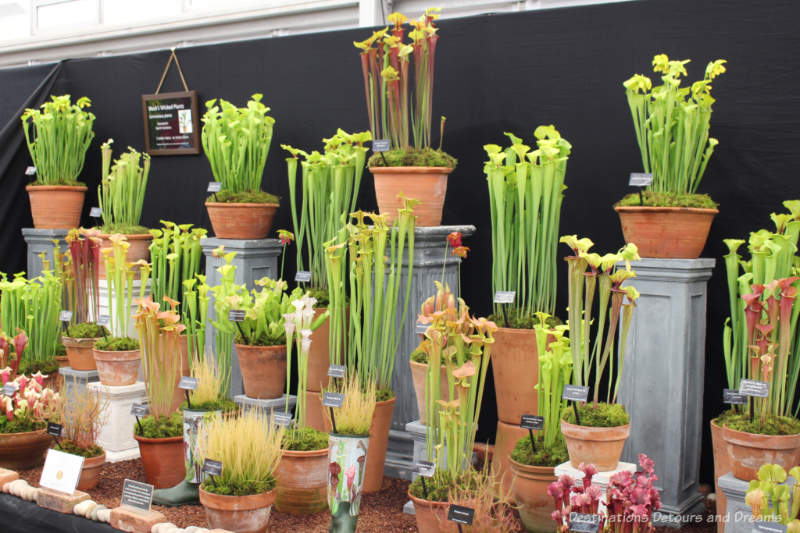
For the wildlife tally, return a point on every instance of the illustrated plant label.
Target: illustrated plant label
(137, 494)
(30, 171)
(281, 418)
(460, 514)
(584, 523)
(61, 471)
(769, 527)
(103, 320)
(575, 393)
(187, 383)
(337, 371)
(751, 387)
(504, 297)
(302, 276)
(381, 145)
(9, 389)
(733, 397)
(65, 316)
(421, 328)
(212, 468)
(426, 468)
(640, 179)
(332, 399)
(532, 422)
(214, 186)
(139, 409)
(236, 315)
(54, 429)
(95, 212)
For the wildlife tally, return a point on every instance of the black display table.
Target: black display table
(19, 516)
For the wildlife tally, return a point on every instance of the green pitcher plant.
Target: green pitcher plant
(122, 187)
(120, 278)
(771, 499)
(194, 315)
(555, 371)
(175, 254)
(228, 295)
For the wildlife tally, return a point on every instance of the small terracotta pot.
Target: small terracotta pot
(56, 206)
(241, 221)
(20, 451)
(63, 360)
(263, 370)
(80, 353)
(432, 516)
(529, 490)
(722, 465)
(504, 442)
(426, 184)
(319, 354)
(117, 368)
(748, 451)
(601, 447)
(139, 249)
(419, 373)
(302, 482)
(666, 232)
(90, 475)
(515, 366)
(240, 514)
(315, 417)
(162, 460)
(378, 442)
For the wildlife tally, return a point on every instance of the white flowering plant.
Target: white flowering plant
(298, 325)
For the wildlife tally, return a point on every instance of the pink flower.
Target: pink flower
(5, 375)
(39, 378)
(350, 474)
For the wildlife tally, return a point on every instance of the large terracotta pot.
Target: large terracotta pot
(241, 221)
(90, 475)
(601, 447)
(240, 514)
(319, 354)
(315, 416)
(748, 451)
(302, 482)
(515, 367)
(20, 451)
(80, 353)
(378, 441)
(432, 516)
(139, 249)
(162, 460)
(426, 184)
(505, 440)
(56, 206)
(722, 465)
(263, 370)
(117, 368)
(666, 232)
(419, 373)
(529, 490)
(348, 461)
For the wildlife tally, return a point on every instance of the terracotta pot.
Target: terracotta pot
(601, 447)
(117, 368)
(63, 360)
(432, 516)
(426, 184)
(315, 417)
(90, 475)
(722, 465)
(666, 232)
(346, 454)
(80, 353)
(162, 460)
(239, 514)
(139, 249)
(505, 440)
(302, 482)
(241, 221)
(319, 354)
(378, 441)
(56, 206)
(529, 490)
(20, 451)
(419, 372)
(748, 451)
(263, 370)
(515, 367)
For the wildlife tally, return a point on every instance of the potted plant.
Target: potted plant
(670, 219)
(228, 295)
(348, 450)
(81, 416)
(61, 134)
(772, 498)
(375, 300)
(417, 171)
(236, 142)
(176, 255)
(117, 360)
(79, 342)
(603, 427)
(78, 269)
(533, 468)
(121, 196)
(160, 434)
(249, 448)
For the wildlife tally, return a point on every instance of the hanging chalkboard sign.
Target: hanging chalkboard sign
(171, 123)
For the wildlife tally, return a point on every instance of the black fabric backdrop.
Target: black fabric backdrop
(495, 73)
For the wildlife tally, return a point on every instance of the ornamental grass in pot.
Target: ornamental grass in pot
(597, 433)
(526, 189)
(58, 135)
(236, 142)
(411, 167)
(249, 448)
(670, 219)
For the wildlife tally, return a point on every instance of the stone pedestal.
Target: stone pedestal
(738, 515)
(38, 241)
(254, 260)
(76, 381)
(662, 382)
(600, 479)
(116, 428)
(277, 404)
(429, 261)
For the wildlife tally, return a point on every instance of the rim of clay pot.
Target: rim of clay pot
(654, 209)
(410, 170)
(43, 430)
(238, 503)
(243, 204)
(592, 433)
(121, 355)
(757, 440)
(130, 236)
(532, 470)
(299, 454)
(518, 331)
(429, 503)
(159, 440)
(90, 461)
(270, 347)
(78, 342)
(56, 188)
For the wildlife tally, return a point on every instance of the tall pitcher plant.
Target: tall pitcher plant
(122, 187)
(80, 270)
(175, 254)
(228, 295)
(555, 371)
(120, 276)
(299, 326)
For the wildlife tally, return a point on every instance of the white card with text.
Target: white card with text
(61, 471)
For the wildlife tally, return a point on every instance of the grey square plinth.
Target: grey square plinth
(662, 381)
(75, 381)
(429, 261)
(276, 404)
(254, 260)
(41, 240)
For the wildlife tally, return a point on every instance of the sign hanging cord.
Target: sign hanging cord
(172, 57)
